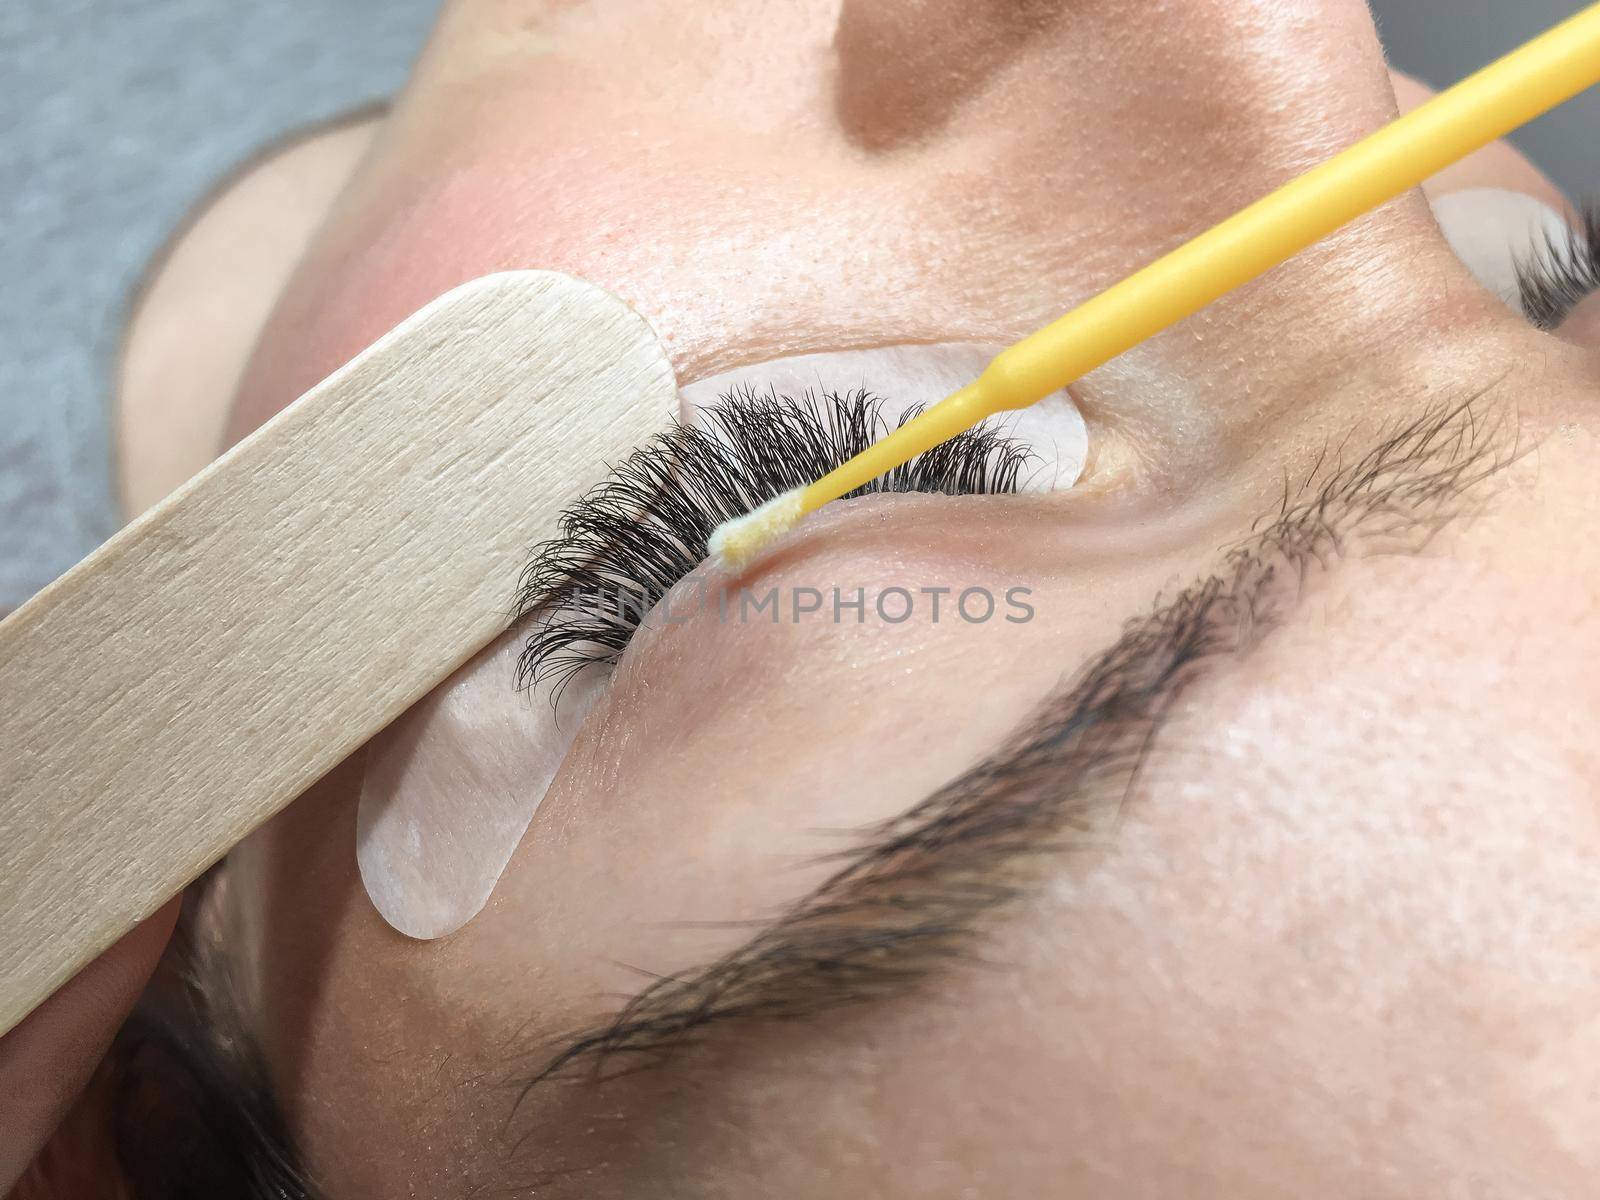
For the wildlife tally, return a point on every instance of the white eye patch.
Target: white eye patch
(1491, 230)
(452, 787)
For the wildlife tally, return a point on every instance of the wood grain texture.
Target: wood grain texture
(219, 655)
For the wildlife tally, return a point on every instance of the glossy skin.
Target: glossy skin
(1346, 941)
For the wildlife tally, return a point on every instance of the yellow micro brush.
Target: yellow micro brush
(1524, 84)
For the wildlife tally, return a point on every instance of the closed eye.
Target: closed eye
(623, 546)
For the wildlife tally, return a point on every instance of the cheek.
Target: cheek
(725, 271)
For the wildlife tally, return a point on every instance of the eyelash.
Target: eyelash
(623, 546)
(1562, 271)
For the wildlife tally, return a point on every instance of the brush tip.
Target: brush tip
(736, 542)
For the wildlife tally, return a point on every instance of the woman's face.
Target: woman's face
(1257, 862)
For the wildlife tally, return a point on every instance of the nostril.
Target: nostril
(906, 66)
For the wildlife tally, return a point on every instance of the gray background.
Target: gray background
(116, 115)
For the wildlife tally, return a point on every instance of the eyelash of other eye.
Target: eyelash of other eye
(1562, 271)
(623, 546)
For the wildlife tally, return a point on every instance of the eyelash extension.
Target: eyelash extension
(1562, 271)
(624, 545)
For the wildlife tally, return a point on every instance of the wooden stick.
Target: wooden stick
(219, 655)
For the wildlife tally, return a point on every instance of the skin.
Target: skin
(1345, 941)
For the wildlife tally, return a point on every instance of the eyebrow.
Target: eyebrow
(915, 895)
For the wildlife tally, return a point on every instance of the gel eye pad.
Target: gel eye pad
(219, 655)
(448, 790)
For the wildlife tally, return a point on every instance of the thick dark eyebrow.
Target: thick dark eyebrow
(915, 895)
